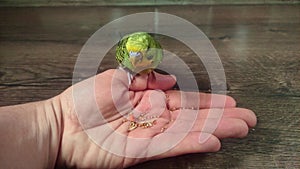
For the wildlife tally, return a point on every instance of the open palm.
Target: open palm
(109, 124)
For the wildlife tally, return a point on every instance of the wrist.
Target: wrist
(54, 124)
(30, 134)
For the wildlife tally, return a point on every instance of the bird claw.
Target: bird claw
(130, 78)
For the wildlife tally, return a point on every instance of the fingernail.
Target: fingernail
(174, 77)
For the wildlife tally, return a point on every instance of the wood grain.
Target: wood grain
(258, 46)
(39, 3)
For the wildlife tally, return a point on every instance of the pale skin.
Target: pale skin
(48, 134)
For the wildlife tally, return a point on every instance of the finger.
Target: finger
(139, 82)
(231, 128)
(152, 81)
(180, 99)
(229, 123)
(238, 113)
(190, 144)
(223, 128)
(160, 81)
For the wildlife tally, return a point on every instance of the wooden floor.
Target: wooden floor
(259, 47)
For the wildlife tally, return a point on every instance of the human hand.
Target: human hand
(97, 114)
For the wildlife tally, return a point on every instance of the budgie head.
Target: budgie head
(139, 52)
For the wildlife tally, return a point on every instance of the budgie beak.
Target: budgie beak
(139, 61)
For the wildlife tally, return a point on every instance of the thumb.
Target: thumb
(153, 80)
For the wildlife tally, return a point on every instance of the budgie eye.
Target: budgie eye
(149, 57)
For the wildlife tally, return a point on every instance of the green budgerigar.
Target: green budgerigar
(139, 53)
